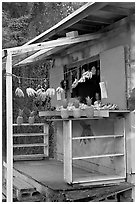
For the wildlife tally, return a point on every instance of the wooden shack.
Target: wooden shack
(98, 150)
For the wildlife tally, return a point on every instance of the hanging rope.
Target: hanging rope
(37, 78)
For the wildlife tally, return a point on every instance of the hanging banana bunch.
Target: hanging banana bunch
(18, 91)
(50, 92)
(30, 91)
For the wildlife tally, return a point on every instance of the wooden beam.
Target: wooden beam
(9, 121)
(39, 55)
(53, 43)
(117, 10)
(95, 19)
(67, 132)
(84, 61)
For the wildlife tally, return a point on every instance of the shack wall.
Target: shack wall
(119, 36)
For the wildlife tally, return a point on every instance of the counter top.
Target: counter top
(97, 113)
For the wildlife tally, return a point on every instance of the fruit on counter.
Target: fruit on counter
(88, 101)
(108, 106)
(19, 92)
(76, 104)
(65, 103)
(20, 117)
(30, 91)
(31, 117)
(39, 91)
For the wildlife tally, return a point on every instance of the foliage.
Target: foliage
(22, 21)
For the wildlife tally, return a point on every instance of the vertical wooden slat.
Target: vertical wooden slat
(9, 121)
(125, 149)
(46, 139)
(67, 137)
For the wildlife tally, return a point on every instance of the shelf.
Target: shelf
(30, 145)
(98, 156)
(97, 137)
(58, 113)
(29, 134)
(29, 156)
(98, 178)
(27, 124)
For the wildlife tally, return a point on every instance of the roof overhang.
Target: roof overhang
(99, 16)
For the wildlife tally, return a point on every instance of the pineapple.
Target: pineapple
(89, 101)
(31, 117)
(20, 117)
(65, 103)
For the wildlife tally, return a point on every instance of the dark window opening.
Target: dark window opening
(90, 87)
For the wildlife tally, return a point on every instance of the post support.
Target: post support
(9, 122)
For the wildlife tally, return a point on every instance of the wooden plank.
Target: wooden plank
(112, 72)
(40, 54)
(9, 119)
(96, 19)
(98, 156)
(46, 139)
(118, 10)
(98, 179)
(67, 133)
(57, 113)
(97, 137)
(29, 134)
(29, 156)
(31, 145)
(53, 43)
(82, 62)
(27, 124)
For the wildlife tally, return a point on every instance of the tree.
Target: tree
(22, 21)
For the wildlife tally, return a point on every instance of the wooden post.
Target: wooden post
(9, 121)
(67, 137)
(46, 139)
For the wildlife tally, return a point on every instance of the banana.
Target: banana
(39, 91)
(50, 92)
(19, 92)
(43, 96)
(30, 92)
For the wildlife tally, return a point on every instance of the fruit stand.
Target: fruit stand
(94, 144)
